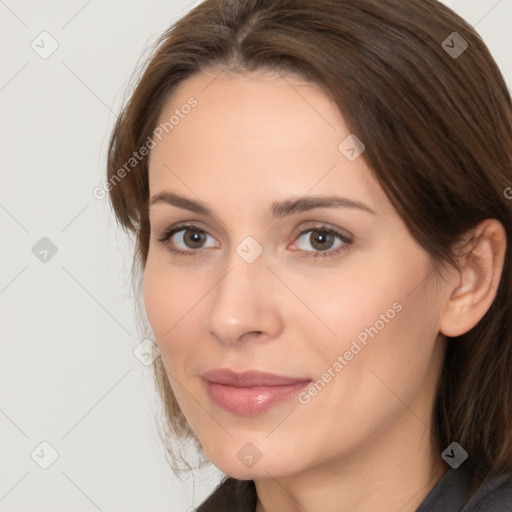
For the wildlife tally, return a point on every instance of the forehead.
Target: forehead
(260, 104)
(253, 134)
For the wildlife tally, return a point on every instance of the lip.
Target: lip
(250, 392)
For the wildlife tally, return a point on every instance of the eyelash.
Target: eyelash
(168, 233)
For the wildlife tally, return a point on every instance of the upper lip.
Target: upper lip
(249, 378)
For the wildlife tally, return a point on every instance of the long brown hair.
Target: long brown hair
(418, 85)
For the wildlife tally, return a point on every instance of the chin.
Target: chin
(248, 463)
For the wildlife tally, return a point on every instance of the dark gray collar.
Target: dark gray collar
(456, 492)
(450, 493)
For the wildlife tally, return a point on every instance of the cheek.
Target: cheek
(172, 300)
(387, 342)
(377, 316)
(155, 301)
(161, 298)
(345, 306)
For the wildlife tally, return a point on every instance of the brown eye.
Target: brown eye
(321, 240)
(194, 239)
(186, 240)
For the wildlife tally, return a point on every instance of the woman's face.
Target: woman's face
(338, 300)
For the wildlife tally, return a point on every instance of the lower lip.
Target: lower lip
(254, 400)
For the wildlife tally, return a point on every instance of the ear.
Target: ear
(474, 287)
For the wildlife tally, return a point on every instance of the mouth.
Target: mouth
(251, 392)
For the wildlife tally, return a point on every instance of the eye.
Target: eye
(189, 240)
(190, 237)
(323, 241)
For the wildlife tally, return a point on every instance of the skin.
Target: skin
(363, 442)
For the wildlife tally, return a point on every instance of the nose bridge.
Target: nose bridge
(242, 301)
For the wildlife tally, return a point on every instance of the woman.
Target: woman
(319, 196)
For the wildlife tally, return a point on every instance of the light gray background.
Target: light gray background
(68, 375)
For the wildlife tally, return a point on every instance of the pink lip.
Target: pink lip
(250, 392)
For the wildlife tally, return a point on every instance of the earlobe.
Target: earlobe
(474, 287)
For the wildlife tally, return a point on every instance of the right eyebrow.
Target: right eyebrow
(181, 202)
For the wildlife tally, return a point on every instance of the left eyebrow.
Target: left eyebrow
(278, 209)
(283, 208)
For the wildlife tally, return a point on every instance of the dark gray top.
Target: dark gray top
(451, 494)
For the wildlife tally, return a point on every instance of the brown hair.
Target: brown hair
(438, 133)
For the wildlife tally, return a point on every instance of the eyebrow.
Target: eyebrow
(278, 209)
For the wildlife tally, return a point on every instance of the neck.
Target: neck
(391, 472)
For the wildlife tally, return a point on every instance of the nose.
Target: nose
(245, 303)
